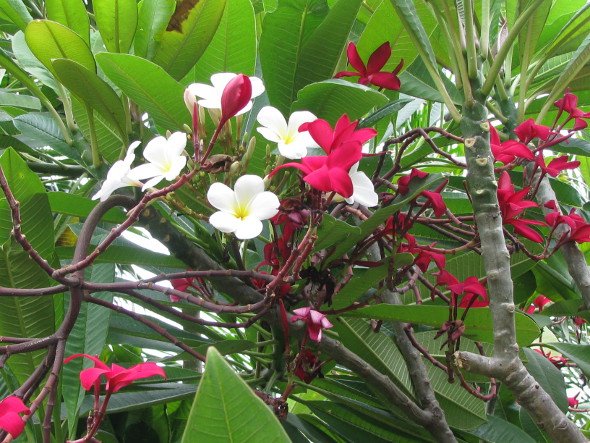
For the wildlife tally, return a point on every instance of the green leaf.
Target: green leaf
(499, 430)
(93, 91)
(25, 316)
(548, 376)
(579, 354)
(16, 12)
(116, 21)
(147, 84)
(576, 146)
(70, 13)
(233, 47)
(49, 40)
(225, 409)
(331, 231)
(385, 111)
(284, 32)
(19, 101)
(128, 255)
(78, 206)
(153, 18)
(332, 98)
(365, 279)
(478, 323)
(189, 32)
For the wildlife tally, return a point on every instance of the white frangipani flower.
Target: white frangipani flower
(291, 143)
(210, 96)
(165, 160)
(363, 191)
(118, 175)
(242, 209)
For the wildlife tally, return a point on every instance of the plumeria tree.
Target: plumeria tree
(294, 220)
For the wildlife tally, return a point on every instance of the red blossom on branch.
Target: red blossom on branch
(506, 152)
(117, 377)
(555, 166)
(529, 130)
(10, 420)
(403, 183)
(471, 291)
(558, 361)
(315, 321)
(538, 303)
(569, 104)
(579, 228)
(371, 72)
(423, 254)
(512, 204)
(308, 366)
(344, 132)
(236, 95)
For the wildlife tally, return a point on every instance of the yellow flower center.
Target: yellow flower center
(241, 212)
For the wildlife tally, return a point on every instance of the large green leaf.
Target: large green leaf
(284, 32)
(87, 337)
(478, 323)
(233, 48)
(49, 40)
(16, 12)
(225, 409)
(25, 316)
(150, 86)
(548, 376)
(78, 206)
(332, 98)
(499, 430)
(87, 86)
(116, 21)
(70, 13)
(189, 32)
(153, 18)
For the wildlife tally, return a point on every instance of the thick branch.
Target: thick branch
(419, 376)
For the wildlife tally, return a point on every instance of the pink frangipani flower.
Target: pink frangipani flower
(316, 321)
(10, 420)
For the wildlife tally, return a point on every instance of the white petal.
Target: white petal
(272, 119)
(247, 187)
(245, 108)
(298, 118)
(177, 164)
(269, 134)
(176, 143)
(264, 206)
(130, 156)
(257, 86)
(147, 170)
(222, 197)
(363, 190)
(249, 227)
(155, 151)
(108, 187)
(119, 170)
(294, 150)
(210, 103)
(224, 221)
(202, 91)
(152, 182)
(221, 79)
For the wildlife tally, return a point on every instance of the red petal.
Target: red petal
(137, 372)
(341, 182)
(97, 362)
(12, 423)
(385, 80)
(320, 179)
(90, 376)
(346, 74)
(378, 58)
(321, 131)
(355, 60)
(345, 156)
(521, 227)
(236, 95)
(436, 201)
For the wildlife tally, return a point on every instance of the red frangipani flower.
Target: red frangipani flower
(436, 201)
(579, 228)
(403, 184)
(555, 166)
(569, 104)
(573, 402)
(538, 303)
(512, 204)
(371, 73)
(529, 130)
(329, 173)
(423, 254)
(506, 152)
(235, 97)
(558, 361)
(316, 321)
(344, 132)
(473, 292)
(117, 377)
(10, 420)
(308, 366)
